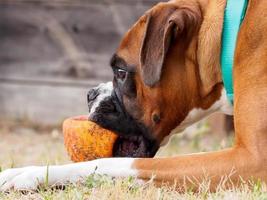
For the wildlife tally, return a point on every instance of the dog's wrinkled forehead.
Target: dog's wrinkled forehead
(98, 94)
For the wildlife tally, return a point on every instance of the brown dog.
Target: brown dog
(167, 76)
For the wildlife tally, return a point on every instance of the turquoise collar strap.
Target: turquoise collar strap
(233, 16)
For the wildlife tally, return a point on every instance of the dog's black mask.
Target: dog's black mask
(134, 138)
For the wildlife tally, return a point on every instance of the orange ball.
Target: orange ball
(85, 140)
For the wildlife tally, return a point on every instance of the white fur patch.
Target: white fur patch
(196, 114)
(30, 177)
(105, 90)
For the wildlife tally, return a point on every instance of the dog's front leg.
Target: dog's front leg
(164, 170)
(29, 178)
(189, 170)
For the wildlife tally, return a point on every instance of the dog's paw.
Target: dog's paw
(27, 178)
(30, 178)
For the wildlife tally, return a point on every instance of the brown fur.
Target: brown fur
(209, 45)
(190, 77)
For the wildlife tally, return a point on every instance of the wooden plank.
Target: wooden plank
(83, 2)
(25, 35)
(60, 82)
(98, 68)
(29, 47)
(48, 105)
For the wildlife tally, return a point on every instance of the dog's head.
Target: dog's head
(157, 80)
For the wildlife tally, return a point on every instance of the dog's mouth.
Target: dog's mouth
(133, 140)
(128, 144)
(133, 146)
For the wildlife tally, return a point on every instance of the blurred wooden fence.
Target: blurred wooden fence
(52, 52)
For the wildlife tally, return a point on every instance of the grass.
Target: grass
(105, 188)
(22, 146)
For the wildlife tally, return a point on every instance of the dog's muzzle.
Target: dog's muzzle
(107, 110)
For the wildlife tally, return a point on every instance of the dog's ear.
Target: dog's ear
(163, 27)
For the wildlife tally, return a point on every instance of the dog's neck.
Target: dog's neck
(222, 105)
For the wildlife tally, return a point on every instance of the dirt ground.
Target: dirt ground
(24, 144)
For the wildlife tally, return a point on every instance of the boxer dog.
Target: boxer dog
(167, 76)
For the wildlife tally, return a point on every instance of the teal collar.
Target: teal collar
(233, 17)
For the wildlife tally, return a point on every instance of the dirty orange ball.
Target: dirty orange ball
(85, 140)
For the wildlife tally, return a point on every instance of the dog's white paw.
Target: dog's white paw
(20, 178)
(29, 178)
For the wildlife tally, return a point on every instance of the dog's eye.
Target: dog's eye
(120, 74)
